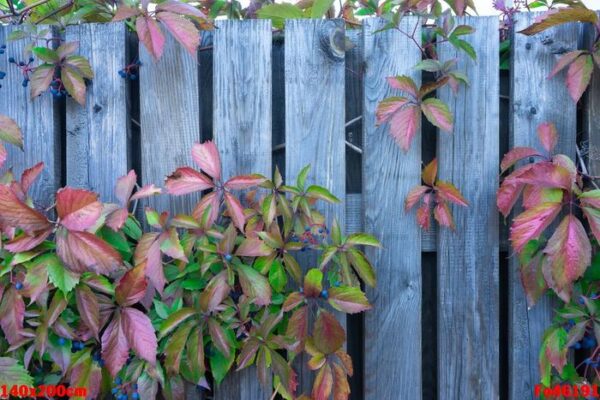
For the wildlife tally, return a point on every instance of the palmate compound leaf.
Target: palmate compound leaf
(531, 223)
(183, 30)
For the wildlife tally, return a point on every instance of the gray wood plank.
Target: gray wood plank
(591, 110)
(170, 120)
(39, 121)
(535, 99)
(468, 286)
(242, 86)
(315, 119)
(98, 135)
(393, 327)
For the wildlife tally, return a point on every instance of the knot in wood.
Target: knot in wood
(333, 40)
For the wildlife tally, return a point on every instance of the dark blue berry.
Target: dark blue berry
(135, 395)
(101, 363)
(11, 60)
(228, 257)
(1, 51)
(581, 300)
(18, 286)
(118, 380)
(577, 346)
(115, 390)
(122, 397)
(134, 386)
(587, 361)
(30, 59)
(3, 46)
(336, 283)
(133, 77)
(21, 63)
(324, 294)
(123, 74)
(61, 341)
(25, 82)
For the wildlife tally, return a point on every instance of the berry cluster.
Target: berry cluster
(131, 71)
(19, 285)
(313, 235)
(57, 89)
(120, 390)
(76, 346)
(2, 49)
(2, 73)
(25, 67)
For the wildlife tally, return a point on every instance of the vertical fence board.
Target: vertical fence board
(535, 99)
(591, 112)
(39, 121)
(98, 133)
(314, 126)
(468, 298)
(170, 119)
(388, 176)
(242, 131)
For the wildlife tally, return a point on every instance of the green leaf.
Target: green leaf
(313, 283)
(277, 276)
(17, 35)
(278, 13)
(462, 30)
(13, 373)
(82, 65)
(132, 228)
(561, 16)
(350, 300)
(320, 7)
(45, 54)
(254, 285)
(318, 192)
(220, 365)
(174, 320)
(362, 239)
(464, 46)
(301, 178)
(10, 131)
(58, 275)
(362, 266)
(74, 83)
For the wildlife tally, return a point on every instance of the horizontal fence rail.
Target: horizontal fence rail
(297, 98)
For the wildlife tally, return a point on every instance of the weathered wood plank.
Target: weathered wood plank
(315, 118)
(388, 176)
(468, 288)
(169, 118)
(242, 130)
(39, 121)
(591, 111)
(97, 148)
(535, 99)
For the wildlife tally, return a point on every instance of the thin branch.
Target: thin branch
(583, 166)
(59, 9)
(24, 10)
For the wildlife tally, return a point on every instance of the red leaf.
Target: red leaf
(329, 336)
(568, 252)
(140, 334)
(116, 219)
(178, 7)
(183, 30)
(405, 84)
(148, 250)
(219, 337)
(507, 196)
(350, 300)
(132, 286)
(235, 210)
(215, 292)
(124, 187)
(115, 349)
(430, 172)
(146, 191)
(593, 217)
(404, 124)
(545, 174)
(150, 35)
(187, 180)
(83, 251)
(298, 325)
(443, 215)
(535, 195)
(424, 217)
(12, 314)
(74, 83)
(207, 157)
(389, 106)
(323, 384)
(210, 204)
(565, 60)
(30, 175)
(77, 209)
(255, 286)
(24, 242)
(244, 181)
(414, 196)
(253, 247)
(531, 223)
(438, 114)
(548, 136)
(14, 213)
(449, 192)
(88, 307)
(10, 131)
(579, 76)
(341, 388)
(517, 154)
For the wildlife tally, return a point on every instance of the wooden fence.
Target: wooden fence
(450, 320)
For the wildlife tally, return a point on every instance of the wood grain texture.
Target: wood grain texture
(242, 130)
(535, 99)
(170, 120)
(98, 133)
(468, 286)
(393, 327)
(39, 121)
(315, 119)
(591, 110)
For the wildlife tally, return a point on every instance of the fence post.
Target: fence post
(242, 130)
(534, 99)
(393, 327)
(468, 287)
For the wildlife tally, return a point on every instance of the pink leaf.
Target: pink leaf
(73, 82)
(517, 154)
(253, 247)
(405, 84)
(414, 196)
(115, 349)
(184, 31)
(449, 192)
(178, 7)
(83, 251)
(548, 136)
(132, 286)
(124, 187)
(12, 314)
(25, 242)
(117, 218)
(568, 252)
(593, 217)
(207, 157)
(329, 336)
(404, 124)
(187, 180)
(389, 106)
(88, 307)
(244, 181)
(531, 223)
(150, 35)
(124, 12)
(140, 334)
(30, 175)
(443, 215)
(438, 114)
(215, 292)
(77, 209)
(545, 174)
(148, 250)
(14, 213)
(208, 204)
(145, 191)
(235, 210)
(565, 60)
(579, 76)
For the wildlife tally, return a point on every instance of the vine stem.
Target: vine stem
(275, 391)
(583, 166)
(15, 13)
